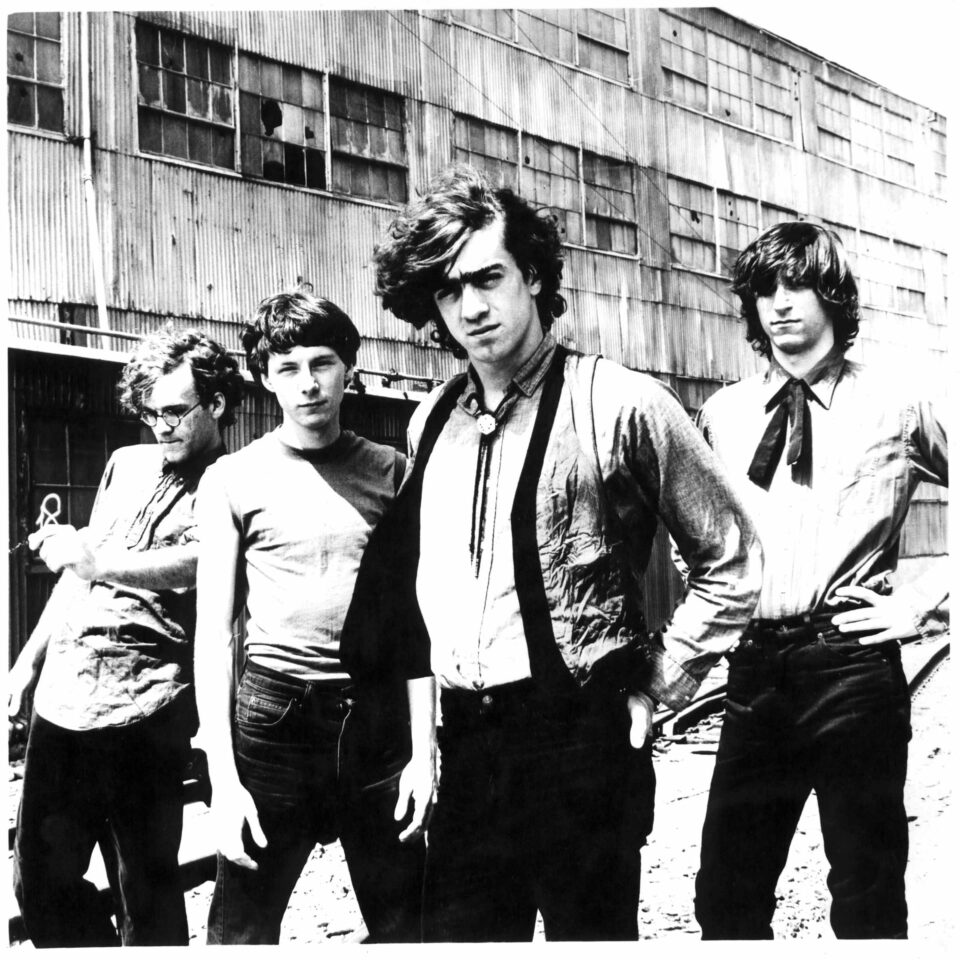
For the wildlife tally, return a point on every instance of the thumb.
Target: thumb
(256, 831)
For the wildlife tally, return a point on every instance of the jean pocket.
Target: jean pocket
(264, 713)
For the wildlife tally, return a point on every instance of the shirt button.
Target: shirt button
(487, 700)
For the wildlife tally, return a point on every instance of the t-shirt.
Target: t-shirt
(304, 518)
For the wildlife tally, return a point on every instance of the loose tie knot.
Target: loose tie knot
(792, 408)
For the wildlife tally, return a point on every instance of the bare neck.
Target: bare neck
(798, 365)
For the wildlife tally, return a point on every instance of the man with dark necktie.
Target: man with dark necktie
(816, 693)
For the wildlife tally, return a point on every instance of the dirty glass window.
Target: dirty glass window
(692, 225)
(738, 226)
(35, 71)
(602, 43)
(833, 121)
(609, 204)
(185, 96)
(487, 147)
(683, 56)
(281, 122)
(367, 144)
(550, 177)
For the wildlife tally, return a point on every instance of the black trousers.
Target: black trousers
(808, 708)
(121, 788)
(542, 805)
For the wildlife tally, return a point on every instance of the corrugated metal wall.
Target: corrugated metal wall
(203, 245)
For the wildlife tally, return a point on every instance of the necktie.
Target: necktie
(791, 401)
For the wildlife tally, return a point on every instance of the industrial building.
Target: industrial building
(181, 166)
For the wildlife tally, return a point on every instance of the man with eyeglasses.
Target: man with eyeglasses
(111, 664)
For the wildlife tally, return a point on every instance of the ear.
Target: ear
(265, 380)
(348, 373)
(218, 406)
(533, 283)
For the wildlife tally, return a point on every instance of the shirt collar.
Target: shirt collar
(526, 380)
(822, 378)
(195, 466)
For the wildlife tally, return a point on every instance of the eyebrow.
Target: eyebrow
(471, 276)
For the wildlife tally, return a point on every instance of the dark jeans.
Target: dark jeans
(808, 708)
(319, 764)
(121, 788)
(542, 806)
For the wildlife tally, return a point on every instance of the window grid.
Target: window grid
(848, 237)
(728, 75)
(771, 214)
(550, 177)
(281, 122)
(551, 32)
(899, 146)
(773, 96)
(488, 147)
(692, 225)
(609, 204)
(833, 121)
(738, 226)
(938, 141)
(876, 271)
(185, 96)
(35, 71)
(367, 142)
(602, 43)
(683, 54)
(498, 22)
(909, 278)
(866, 134)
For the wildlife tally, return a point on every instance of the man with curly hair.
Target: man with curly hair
(538, 480)
(111, 661)
(826, 454)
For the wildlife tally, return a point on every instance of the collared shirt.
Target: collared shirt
(873, 440)
(474, 622)
(117, 654)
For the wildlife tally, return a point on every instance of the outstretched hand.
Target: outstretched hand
(890, 615)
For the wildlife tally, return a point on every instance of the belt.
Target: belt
(522, 698)
(814, 619)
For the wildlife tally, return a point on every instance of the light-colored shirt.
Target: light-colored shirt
(120, 653)
(468, 598)
(874, 438)
(303, 518)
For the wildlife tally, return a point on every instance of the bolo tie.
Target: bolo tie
(487, 427)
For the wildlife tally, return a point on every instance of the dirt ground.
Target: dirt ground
(323, 909)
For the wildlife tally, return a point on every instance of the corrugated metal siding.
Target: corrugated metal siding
(48, 230)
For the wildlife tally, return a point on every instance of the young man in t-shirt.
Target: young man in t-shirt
(284, 524)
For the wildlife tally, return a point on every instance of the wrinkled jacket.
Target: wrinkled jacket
(621, 453)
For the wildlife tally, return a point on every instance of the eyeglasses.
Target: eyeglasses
(170, 417)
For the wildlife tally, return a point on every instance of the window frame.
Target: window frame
(34, 82)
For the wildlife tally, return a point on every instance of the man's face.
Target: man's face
(489, 307)
(198, 432)
(795, 321)
(308, 383)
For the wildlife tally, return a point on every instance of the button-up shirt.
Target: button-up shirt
(474, 622)
(116, 654)
(873, 440)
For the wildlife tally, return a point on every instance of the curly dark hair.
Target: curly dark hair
(297, 318)
(214, 370)
(797, 254)
(423, 241)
